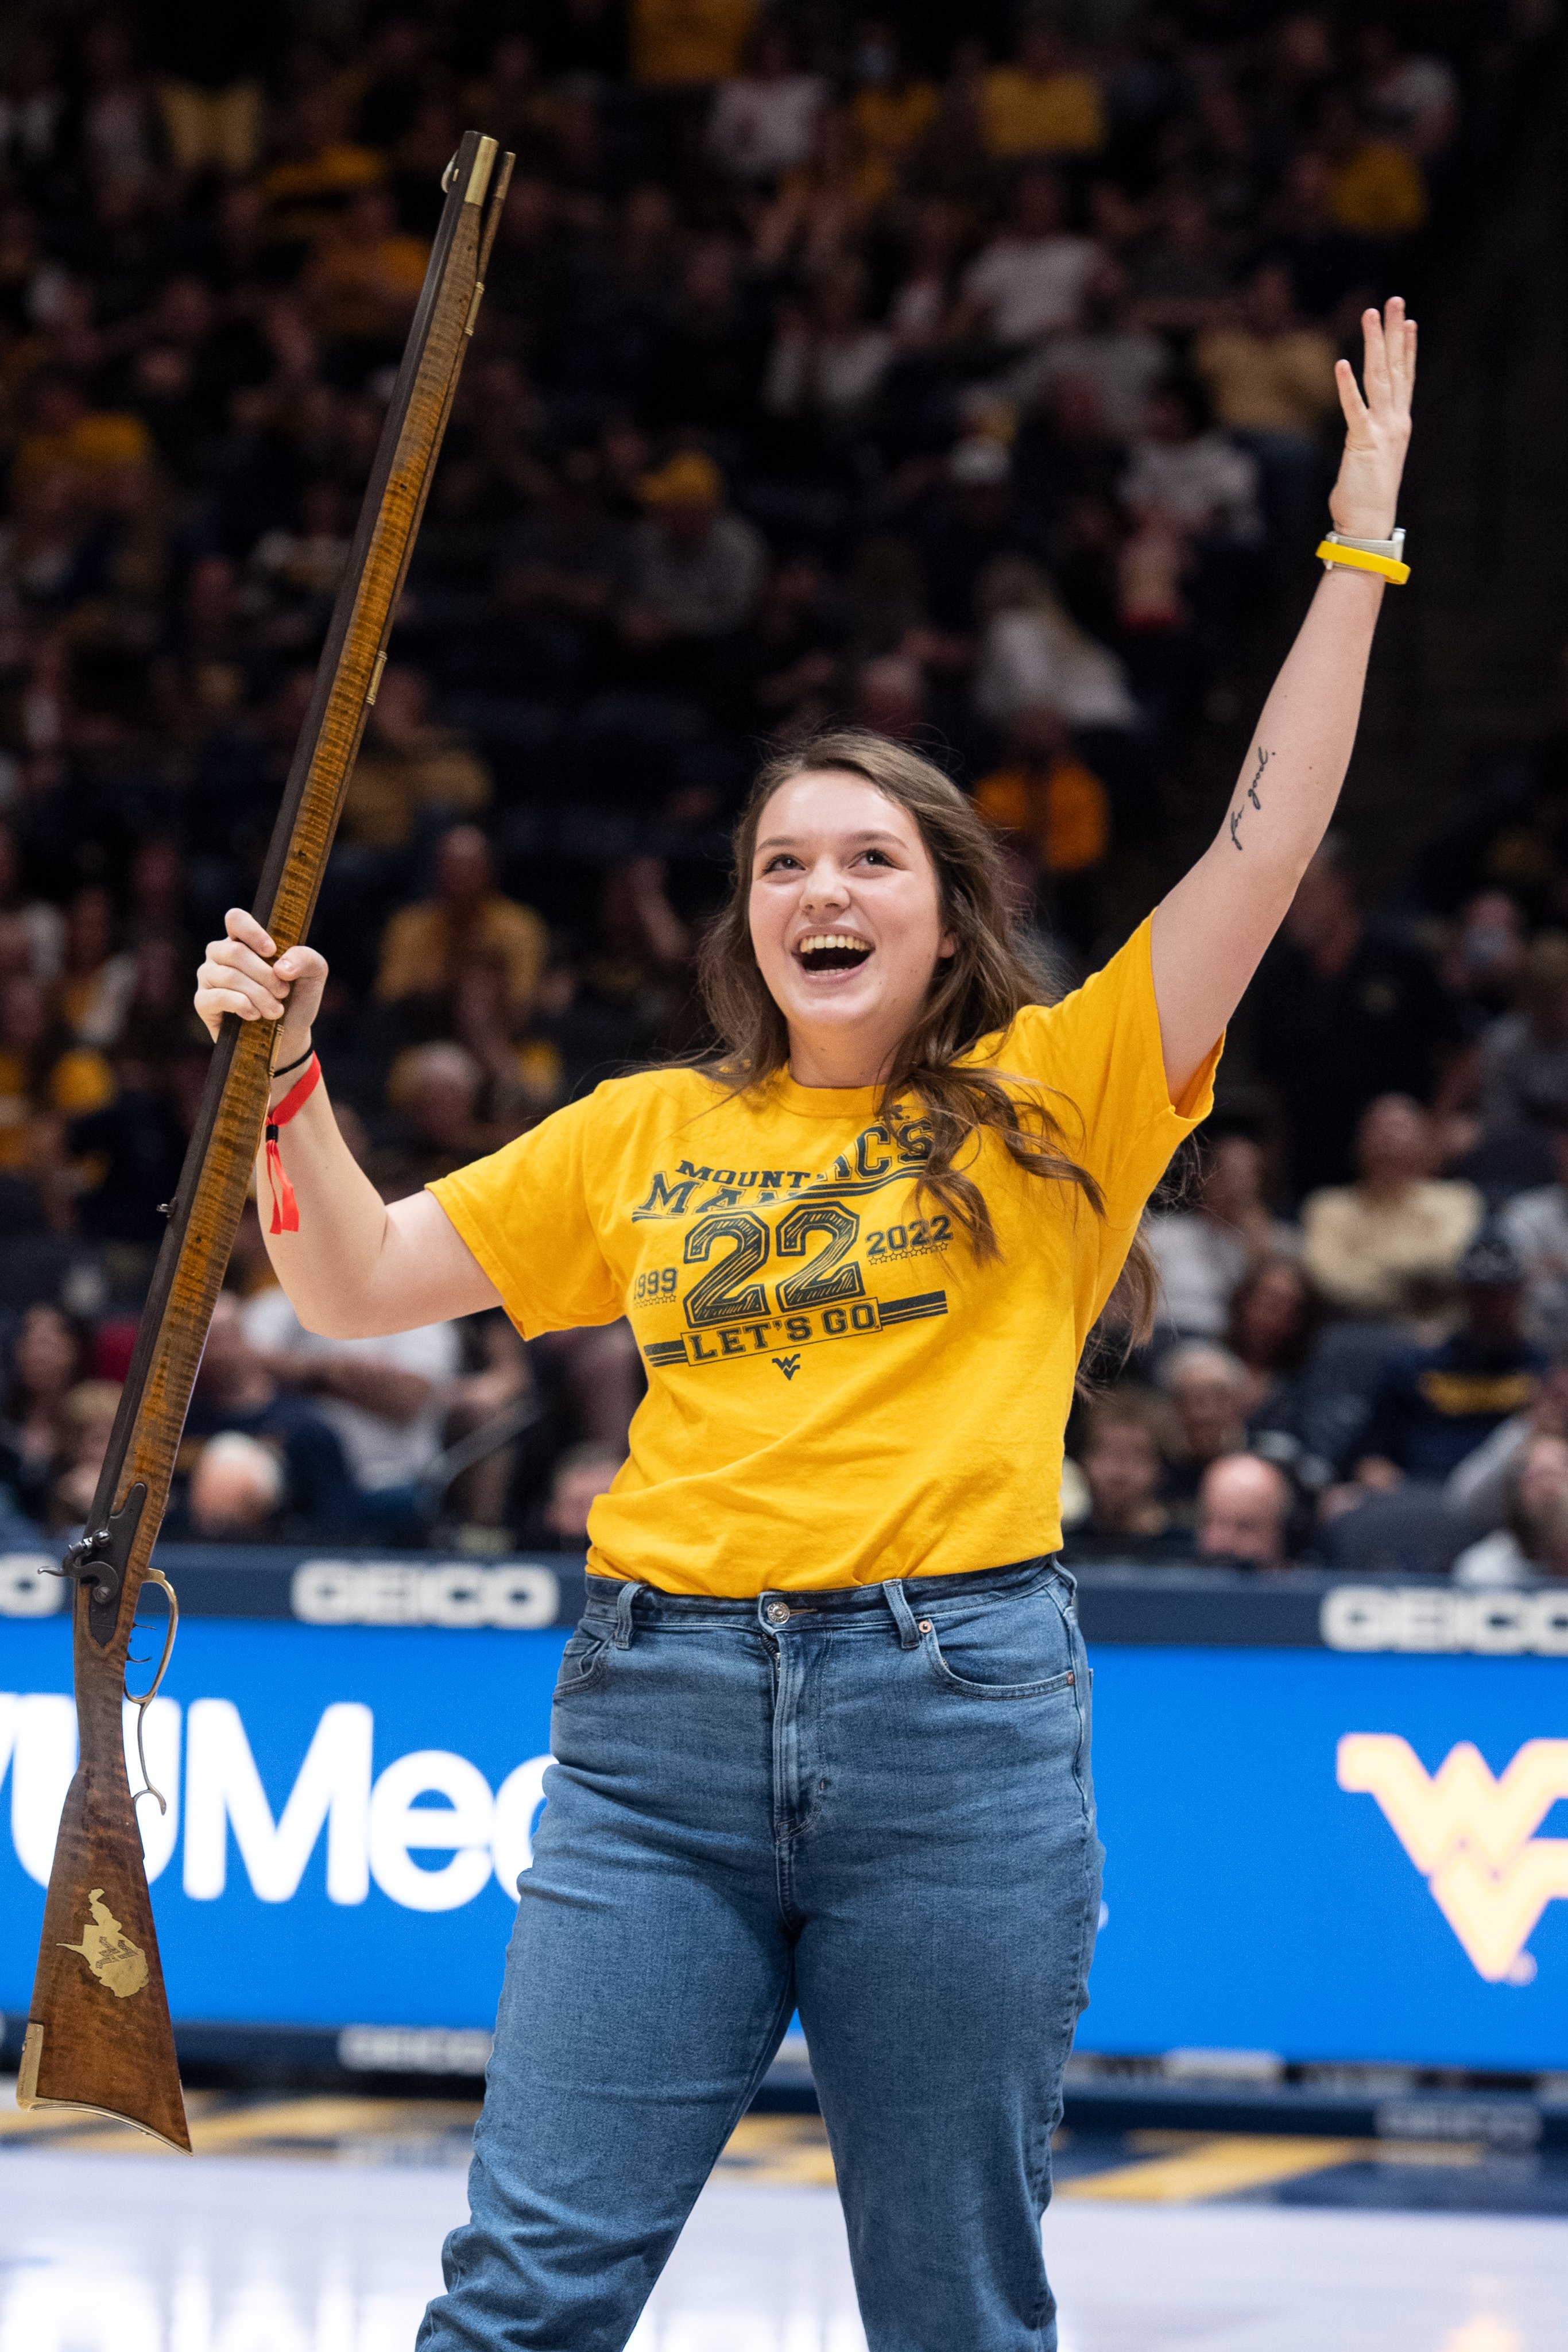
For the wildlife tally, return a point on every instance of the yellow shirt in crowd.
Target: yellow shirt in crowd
(1378, 192)
(1042, 114)
(1268, 383)
(688, 40)
(1065, 814)
(838, 1390)
(422, 947)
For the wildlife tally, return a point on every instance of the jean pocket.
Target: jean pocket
(1015, 1648)
(582, 1663)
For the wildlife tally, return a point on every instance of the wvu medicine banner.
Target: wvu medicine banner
(1336, 1817)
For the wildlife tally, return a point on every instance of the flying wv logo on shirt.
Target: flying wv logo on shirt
(788, 1365)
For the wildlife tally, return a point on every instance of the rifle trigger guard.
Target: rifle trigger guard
(142, 1704)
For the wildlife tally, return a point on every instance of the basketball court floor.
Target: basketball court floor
(315, 2225)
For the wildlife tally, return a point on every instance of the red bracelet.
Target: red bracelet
(285, 1208)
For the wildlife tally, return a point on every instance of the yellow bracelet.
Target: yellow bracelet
(1356, 558)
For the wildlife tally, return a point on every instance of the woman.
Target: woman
(821, 1738)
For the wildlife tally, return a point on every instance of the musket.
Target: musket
(98, 2033)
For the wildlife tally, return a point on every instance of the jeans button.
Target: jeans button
(778, 1612)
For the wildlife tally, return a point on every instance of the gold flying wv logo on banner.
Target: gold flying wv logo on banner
(1473, 1837)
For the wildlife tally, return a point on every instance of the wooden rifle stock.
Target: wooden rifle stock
(99, 2034)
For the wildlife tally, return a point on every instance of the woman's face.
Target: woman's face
(846, 924)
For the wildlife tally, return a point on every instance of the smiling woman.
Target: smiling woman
(823, 1737)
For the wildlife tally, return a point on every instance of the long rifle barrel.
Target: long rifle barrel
(99, 2034)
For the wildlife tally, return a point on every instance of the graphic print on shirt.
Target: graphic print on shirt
(746, 1283)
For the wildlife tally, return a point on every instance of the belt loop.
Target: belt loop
(624, 1600)
(903, 1615)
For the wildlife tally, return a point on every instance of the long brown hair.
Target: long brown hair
(976, 992)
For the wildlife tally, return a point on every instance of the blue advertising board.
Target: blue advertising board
(1328, 1817)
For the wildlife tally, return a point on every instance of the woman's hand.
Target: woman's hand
(1377, 429)
(235, 977)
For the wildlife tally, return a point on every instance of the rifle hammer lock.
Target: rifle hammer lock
(98, 1559)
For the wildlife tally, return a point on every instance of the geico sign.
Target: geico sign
(405, 1592)
(1473, 1838)
(372, 1823)
(1418, 1617)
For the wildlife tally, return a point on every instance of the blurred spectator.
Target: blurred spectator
(49, 1359)
(1209, 1391)
(1272, 1324)
(1120, 360)
(1039, 105)
(1436, 1405)
(563, 565)
(680, 42)
(130, 1152)
(41, 1071)
(364, 280)
(1345, 1015)
(33, 921)
(1029, 280)
(1271, 380)
(1194, 477)
(1116, 1447)
(407, 769)
(237, 1491)
(1204, 1251)
(236, 1390)
(1181, 274)
(890, 698)
(1535, 1222)
(1412, 99)
(580, 1476)
(384, 1399)
(1532, 1540)
(1032, 652)
(696, 570)
(86, 1423)
(424, 945)
(1485, 958)
(1055, 812)
(1376, 186)
(1524, 1054)
(1243, 1512)
(1390, 1243)
(828, 360)
(95, 983)
(433, 1091)
(762, 119)
(892, 105)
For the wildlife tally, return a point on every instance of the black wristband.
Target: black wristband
(299, 1065)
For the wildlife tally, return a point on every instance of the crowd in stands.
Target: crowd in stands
(967, 373)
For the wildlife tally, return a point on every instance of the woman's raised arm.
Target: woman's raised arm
(1209, 933)
(356, 1268)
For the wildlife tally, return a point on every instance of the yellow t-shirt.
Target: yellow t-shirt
(838, 1391)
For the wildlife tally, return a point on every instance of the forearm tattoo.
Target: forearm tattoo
(1250, 793)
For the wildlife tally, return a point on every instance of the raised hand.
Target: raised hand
(235, 977)
(1377, 428)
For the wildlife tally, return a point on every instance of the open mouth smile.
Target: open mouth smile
(832, 951)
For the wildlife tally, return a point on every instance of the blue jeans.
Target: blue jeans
(872, 1804)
